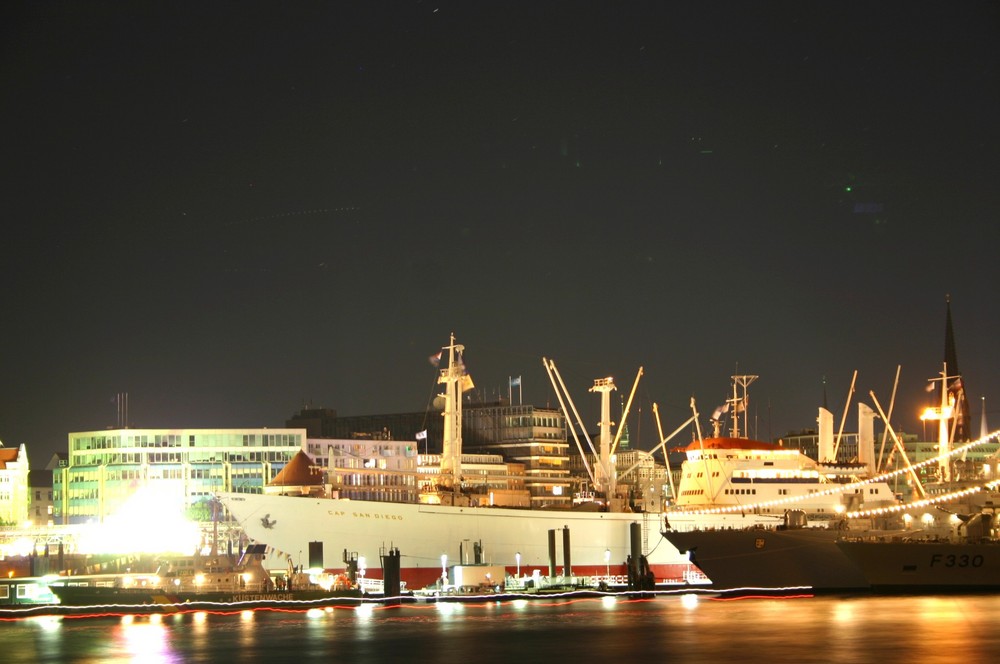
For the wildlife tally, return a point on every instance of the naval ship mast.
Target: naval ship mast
(944, 413)
(952, 414)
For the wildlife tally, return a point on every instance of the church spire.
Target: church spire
(984, 430)
(956, 387)
(950, 356)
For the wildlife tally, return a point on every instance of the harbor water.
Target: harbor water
(666, 628)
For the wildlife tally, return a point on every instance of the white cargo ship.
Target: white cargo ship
(720, 475)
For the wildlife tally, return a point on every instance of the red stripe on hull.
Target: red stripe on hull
(422, 577)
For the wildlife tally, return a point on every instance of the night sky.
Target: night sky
(232, 210)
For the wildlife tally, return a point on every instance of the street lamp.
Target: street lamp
(517, 557)
(607, 561)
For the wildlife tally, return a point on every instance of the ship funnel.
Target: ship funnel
(825, 452)
(866, 436)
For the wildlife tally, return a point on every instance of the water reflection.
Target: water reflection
(147, 641)
(692, 629)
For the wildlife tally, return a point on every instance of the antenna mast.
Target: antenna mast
(739, 403)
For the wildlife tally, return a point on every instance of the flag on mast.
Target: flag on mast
(511, 384)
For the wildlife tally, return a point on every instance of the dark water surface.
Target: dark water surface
(670, 628)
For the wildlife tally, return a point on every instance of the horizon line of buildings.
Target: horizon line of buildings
(374, 457)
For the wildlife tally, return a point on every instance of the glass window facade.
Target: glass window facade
(106, 468)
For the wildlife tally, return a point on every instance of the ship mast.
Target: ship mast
(942, 414)
(604, 474)
(605, 469)
(453, 377)
(738, 403)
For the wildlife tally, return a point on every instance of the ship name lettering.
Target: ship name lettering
(956, 560)
(335, 512)
(254, 597)
(376, 515)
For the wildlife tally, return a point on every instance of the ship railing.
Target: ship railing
(694, 575)
(530, 583)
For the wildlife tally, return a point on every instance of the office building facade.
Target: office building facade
(105, 469)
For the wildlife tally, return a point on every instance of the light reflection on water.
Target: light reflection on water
(826, 629)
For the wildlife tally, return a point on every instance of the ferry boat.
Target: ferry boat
(610, 544)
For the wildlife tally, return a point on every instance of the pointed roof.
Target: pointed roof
(957, 387)
(984, 430)
(7, 455)
(950, 355)
(300, 471)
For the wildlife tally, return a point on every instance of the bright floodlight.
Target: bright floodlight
(151, 521)
(936, 413)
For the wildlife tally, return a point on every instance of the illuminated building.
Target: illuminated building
(534, 437)
(392, 471)
(528, 435)
(368, 469)
(40, 506)
(486, 478)
(14, 495)
(106, 468)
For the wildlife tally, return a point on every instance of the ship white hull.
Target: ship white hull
(600, 542)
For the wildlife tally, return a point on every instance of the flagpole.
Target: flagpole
(510, 397)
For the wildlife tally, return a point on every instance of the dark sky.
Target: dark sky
(228, 210)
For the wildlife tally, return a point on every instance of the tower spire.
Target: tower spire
(984, 430)
(956, 388)
(950, 356)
